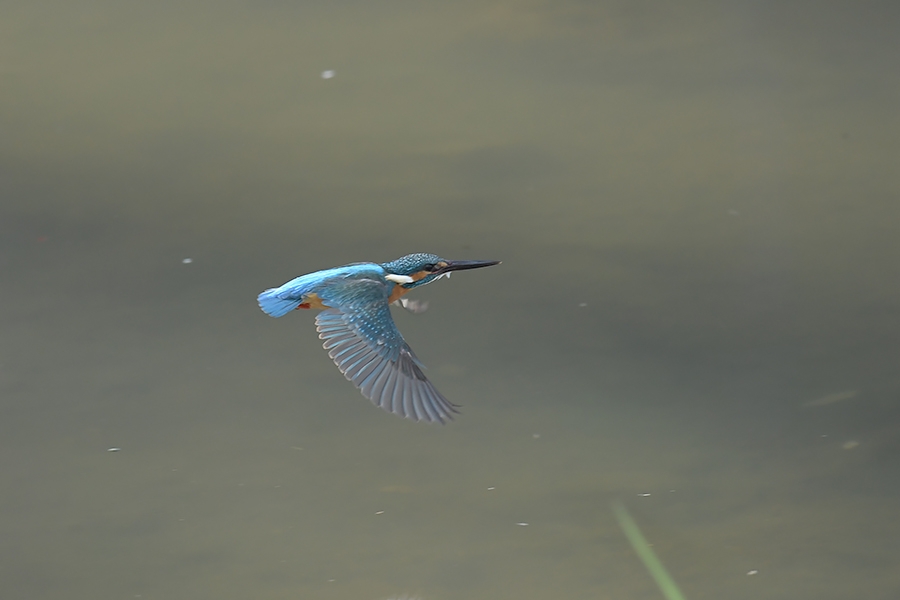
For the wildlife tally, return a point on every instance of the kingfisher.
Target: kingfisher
(359, 332)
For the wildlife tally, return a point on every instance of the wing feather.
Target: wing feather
(361, 338)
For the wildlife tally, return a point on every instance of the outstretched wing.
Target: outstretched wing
(362, 339)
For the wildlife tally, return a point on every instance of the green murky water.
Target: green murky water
(697, 211)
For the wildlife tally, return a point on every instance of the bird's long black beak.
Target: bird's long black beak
(462, 265)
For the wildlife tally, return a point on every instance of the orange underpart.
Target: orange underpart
(398, 291)
(304, 305)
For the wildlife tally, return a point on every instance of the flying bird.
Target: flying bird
(359, 332)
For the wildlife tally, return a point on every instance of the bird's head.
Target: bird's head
(418, 269)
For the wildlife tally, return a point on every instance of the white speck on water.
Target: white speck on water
(644, 495)
(329, 74)
(535, 435)
(522, 524)
(187, 261)
(582, 304)
(491, 489)
(752, 572)
(113, 449)
(380, 512)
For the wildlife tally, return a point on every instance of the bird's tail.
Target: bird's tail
(275, 306)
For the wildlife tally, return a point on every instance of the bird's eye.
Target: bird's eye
(429, 268)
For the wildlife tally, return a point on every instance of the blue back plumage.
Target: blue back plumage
(277, 302)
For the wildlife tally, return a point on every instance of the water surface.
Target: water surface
(697, 211)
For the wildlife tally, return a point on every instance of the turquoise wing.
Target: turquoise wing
(365, 344)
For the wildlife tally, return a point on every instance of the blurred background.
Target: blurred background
(696, 206)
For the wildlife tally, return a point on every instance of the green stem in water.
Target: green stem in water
(645, 553)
